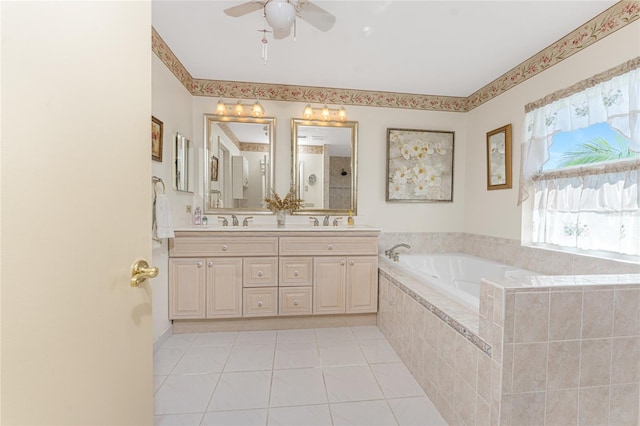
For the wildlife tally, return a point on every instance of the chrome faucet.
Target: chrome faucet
(315, 221)
(325, 221)
(392, 254)
(246, 220)
(336, 220)
(234, 220)
(224, 220)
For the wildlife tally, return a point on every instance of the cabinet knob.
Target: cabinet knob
(296, 303)
(224, 247)
(260, 273)
(259, 303)
(330, 246)
(351, 262)
(342, 262)
(210, 264)
(296, 273)
(199, 264)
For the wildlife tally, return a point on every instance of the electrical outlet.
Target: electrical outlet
(189, 209)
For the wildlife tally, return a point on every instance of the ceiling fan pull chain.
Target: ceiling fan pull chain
(264, 47)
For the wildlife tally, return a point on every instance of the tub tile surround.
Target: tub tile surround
(555, 349)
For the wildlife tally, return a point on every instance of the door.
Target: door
(76, 213)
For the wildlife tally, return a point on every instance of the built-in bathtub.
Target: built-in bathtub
(457, 275)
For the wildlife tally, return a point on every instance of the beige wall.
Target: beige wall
(495, 213)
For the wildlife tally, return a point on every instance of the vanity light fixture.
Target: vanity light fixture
(239, 109)
(325, 113)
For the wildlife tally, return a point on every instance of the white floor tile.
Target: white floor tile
(297, 335)
(296, 355)
(250, 358)
(191, 419)
(367, 332)
(378, 350)
(340, 334)
(416, 411)
(351, 383)
(302, 386)
(238, 391)
(179, 340)
(257, 337)
(306, 415)
(236, 418)
(341, 353)
(165, 359)
(396, 381)
(215, 339)
(157, 382)
(205, 359)
(185, 394)
(369, 413)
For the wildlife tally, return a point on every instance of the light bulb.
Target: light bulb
(221, 108)
(308, 112)
(280, 14)
(257, 109)
(239, 109)
(342, 114)
(325, 113)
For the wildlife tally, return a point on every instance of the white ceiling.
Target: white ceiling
(450, 48)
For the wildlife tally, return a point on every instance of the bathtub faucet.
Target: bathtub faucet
(391, 253)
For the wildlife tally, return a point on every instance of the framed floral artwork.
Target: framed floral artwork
(419, 165)
(499, 158)
(156, 139)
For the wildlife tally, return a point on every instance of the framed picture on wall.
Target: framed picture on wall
(156, 139)
(499, 158)
(419, 166)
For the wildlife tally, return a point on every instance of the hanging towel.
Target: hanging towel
(162, 217)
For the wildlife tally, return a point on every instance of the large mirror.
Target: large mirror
(238, 169)
(324, 165)
(183, 164)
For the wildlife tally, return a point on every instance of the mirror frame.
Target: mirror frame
(188, 163)
(503, 133)
(208, 120)
(353, 125)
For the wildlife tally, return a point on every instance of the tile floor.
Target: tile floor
(324, 376)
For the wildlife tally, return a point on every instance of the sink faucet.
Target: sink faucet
(392, 254)
(246, 220)
(336, 220)
(224, 220)
(325, 221)
(315, 221)
(234, 220)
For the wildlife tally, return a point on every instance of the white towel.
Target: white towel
(163, 227)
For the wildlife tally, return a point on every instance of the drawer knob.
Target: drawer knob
(199, 264)
(210, 264)
(260, 273)
(296, 273)
(224, 247)
(296, 303)
(330, 246)
(342, 262)
(351, 262)
(259, 303)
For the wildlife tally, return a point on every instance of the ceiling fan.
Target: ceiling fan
(281, 14)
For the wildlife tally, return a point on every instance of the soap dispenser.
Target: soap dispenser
(197, 216)
(350, 221)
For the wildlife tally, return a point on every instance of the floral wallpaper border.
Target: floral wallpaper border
(616, 17)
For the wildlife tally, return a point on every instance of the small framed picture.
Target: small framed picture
(499, 158)
(213, 172)
(156, 139)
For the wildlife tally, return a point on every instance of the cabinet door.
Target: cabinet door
(362, 284)
(329, 285)
(224, 287)
(186, 288)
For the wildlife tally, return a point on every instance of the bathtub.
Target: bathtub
(457, 275)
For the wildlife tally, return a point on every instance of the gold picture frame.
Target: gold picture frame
(499, 158)
(156, 139)
(419, 166)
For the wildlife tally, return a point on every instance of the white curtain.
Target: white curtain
(590, 208)
(615, 101)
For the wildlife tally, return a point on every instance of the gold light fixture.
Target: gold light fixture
(239, 109)
(325, 113)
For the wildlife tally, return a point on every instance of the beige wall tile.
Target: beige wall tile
(464, 401)
(529, 367)
(597, 314)
(496, 381)
(506, 410)
(625, 360)
(626, 321)
(507, 369)
(563, 365)
(595, 362)
(593, 406)
(466, 365)
(527, 408)
(430, 328)
(565, 315)
(624, 405)
(531, 317)
(483, 412)
(561, 408)
(484, 377)
(446, 343)
(445, 379)
(509, 316)
(498, 306)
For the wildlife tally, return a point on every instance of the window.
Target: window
(580, 157)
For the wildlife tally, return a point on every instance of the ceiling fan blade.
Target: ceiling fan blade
(278, 34)
(315, 15)
(244, 8)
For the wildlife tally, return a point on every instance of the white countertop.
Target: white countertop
(274, 228)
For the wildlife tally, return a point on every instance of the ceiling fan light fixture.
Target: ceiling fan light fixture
(280, 14)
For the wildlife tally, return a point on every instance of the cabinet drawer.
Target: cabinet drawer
(295, 301)
(296, 271)
(260, 272)
(223, 246)
(328, 246)
(260, 302)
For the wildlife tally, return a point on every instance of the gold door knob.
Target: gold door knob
(140, 271)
